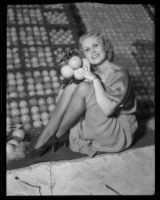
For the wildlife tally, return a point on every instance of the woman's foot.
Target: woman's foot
(52, 143)
(63, 140)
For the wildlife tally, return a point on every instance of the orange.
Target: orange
(13, 141)
(19, 133)
(67, 71)
(78, 74)
(75, 62)
(10, 151)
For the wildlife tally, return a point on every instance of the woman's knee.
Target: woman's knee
(83, 88)
(69, 90)
(66, 93)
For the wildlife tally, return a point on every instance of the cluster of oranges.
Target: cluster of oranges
(73, 68)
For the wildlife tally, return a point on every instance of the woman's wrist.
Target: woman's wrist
(93, 79)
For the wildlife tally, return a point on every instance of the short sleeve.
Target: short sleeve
(117, 85)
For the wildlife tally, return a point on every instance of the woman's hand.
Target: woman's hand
(89, 76)
(86, 65)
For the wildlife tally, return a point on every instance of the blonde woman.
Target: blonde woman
(99, 112)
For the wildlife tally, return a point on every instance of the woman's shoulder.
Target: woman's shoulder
(117, 69)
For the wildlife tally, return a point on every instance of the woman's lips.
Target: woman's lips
(95, 56)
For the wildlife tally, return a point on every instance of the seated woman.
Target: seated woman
(99, 112)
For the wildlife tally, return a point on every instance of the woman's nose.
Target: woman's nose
(93, 50)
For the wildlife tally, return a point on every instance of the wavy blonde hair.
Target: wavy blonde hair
(107, 43)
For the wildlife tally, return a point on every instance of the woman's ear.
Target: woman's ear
(81, 54)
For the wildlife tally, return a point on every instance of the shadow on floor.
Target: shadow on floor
(144, 137)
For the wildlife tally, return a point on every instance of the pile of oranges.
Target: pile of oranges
(15, 147)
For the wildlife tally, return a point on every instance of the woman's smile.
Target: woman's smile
(95, 56)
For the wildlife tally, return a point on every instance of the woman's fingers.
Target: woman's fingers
(89, 75)
(86, 65)
(85, 68)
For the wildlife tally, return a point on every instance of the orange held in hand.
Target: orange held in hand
(79, 74)
(75, 62)
(67, 71)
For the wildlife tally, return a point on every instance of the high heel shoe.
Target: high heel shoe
(63, 140)
(52, 143)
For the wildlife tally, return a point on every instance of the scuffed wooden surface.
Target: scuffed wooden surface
(36, 175)
(130, 173)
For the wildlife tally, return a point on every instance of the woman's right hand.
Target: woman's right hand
(86, 65)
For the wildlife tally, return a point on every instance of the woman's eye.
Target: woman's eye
(86, 50)
(96, 45)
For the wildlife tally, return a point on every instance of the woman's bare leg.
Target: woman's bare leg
(75, 109)
(57, 116)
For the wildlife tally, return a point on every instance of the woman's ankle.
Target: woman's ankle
(59, 134)
(37, 146)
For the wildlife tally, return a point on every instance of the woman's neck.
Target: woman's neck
(101, 69)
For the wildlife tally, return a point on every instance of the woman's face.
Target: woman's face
(94, 50)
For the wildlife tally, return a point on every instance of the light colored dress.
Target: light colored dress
(96, 132)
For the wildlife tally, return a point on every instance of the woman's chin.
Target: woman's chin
(97, 62)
